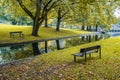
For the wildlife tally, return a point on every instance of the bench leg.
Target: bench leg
(74, 58)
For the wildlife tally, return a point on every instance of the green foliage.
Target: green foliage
(86, 12)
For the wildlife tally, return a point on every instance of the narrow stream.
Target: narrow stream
(16, 52)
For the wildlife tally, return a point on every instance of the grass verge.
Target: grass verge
(59, 65)
(43, 33)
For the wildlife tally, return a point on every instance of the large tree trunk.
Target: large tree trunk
(46, 21)
(37, 19)
(89, 28)
(96, 28)
(58, 24)
(37, 23)
(83, 27)
(35, 29)
(35, 48)
(58, 20)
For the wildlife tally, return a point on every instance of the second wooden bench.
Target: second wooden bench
(18, 34)
(88, 50)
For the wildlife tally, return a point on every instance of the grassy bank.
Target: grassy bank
(43, 33)
(59, 65)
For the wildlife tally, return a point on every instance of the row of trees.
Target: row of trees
(77, 12)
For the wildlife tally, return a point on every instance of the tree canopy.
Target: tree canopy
(82, 12)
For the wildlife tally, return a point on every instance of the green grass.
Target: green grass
(43, 33)
(59, 65)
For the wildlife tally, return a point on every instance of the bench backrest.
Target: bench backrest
(89, 49)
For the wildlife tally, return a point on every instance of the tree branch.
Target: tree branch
(25, 9)
(45, 7)
(64, 14)
(53, 5)
(45, 10)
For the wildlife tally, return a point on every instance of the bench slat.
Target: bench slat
(78, 54)
(91, 51)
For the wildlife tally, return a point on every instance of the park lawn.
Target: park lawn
(59, 65)
(43, 33)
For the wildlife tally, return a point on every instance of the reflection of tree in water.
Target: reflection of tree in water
(78, 41)
(6, 55)
(73, 42)
(51, 46)
(22, 51)
(23, 54)
(56, 43)
(15, 52)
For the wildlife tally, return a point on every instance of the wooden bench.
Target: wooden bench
(16, 34)
(88, 50)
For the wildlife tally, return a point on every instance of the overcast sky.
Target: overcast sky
(117, 12)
